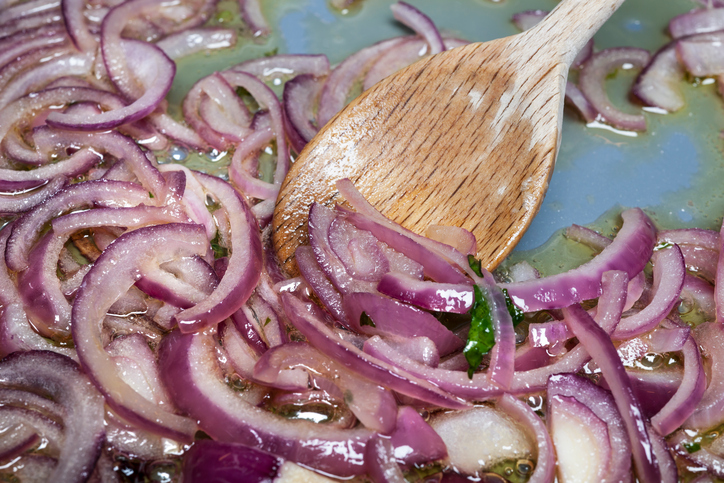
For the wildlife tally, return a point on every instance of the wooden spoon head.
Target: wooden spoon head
(465, 138)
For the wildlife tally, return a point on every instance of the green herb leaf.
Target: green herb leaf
(481, 337)
(692, 447)
(515, 313)
(266, 322)
(475, 265)
(365, 319)
(220, 251)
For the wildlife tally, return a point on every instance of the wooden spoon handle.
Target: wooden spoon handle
(570, 25)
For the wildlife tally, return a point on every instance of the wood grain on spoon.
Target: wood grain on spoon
(467, 138)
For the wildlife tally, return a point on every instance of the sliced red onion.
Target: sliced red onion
(703, 458)
(216, 128)
(435, 296)
(228, 418)
(709, 411)
(244, 268)
(323, 288)
(581, 439)
(380, 459)
(300, 99)
(40, 289)
(341, 80)
(701, 54)
(455, 382)
(27, 8)
(409, 51)
(414, 441)
(120, 147)
(659, 83)
(155, 76)
(373, 405)
(549, 334)
(687, 397)
(17, 45)
(669, 272)
(630, 251)
(326, 341)
(602, 404)
(254, 18)
(719, 281)
(592, 78)
(420, 23)
(209, 460)
(115, 271)
(33, 79)
(60, 379)
(137, 367)
(361, 254)
(319, 225)
(699, 294)
(578, 100)
(192, 41)
(242, 355)
(362, 206)
(181, 283)
(223, 110)
(608, 314)
(697, 21)
(588, 237)
(502, 355)
(497, 437)
(75, 23)
(420, 349)
(245, 176)
(392, 318)
(27, 228)
(284, 66)
(708, 239)
(435, 267)
(545, 467)
(19, 203)
(597, 343)
(266, 97)
(78, 163)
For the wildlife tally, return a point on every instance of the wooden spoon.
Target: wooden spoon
(467, 137)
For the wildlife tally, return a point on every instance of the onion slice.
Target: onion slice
(592, 78)
(115, 271)
(630, 251)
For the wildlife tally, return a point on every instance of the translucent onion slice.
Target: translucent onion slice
(420, 23)
(669, 272)
(598, 344)
(61, 380)
(325, 340)
(581, 440)
(630, 251)
(244, 269)
(228, 418)
(659, 83)
(593, 76)
(115, 271)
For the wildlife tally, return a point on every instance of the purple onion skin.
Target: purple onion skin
(302, 443)
(215, 462)
(413, 432)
